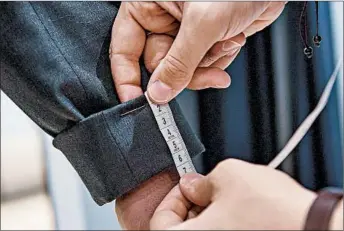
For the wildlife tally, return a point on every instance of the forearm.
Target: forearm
(135, 209)
(66, 87)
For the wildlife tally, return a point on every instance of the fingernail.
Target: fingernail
(159, 92)
(224, 85)
(231, 46)
(189, 179)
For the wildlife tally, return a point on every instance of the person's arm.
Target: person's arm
(171, 51)
(239, 196)
(135, 208)
(55, 66)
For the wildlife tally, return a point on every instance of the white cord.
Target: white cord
(307, 123)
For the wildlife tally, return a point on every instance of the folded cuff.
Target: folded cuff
(115, 150)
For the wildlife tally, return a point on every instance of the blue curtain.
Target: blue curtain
(274, 87)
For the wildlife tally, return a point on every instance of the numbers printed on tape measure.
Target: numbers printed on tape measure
(175, 145)
(169, 130)
(163, 120)
(179, 158)
(168, 133)
(158, 109)
(185, 168)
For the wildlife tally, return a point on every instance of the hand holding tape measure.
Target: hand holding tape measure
(183, 44)
(181, 157)
(243, 196)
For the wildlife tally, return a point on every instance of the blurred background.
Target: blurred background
(40, 189)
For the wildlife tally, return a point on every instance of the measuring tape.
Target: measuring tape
(307, 123)
(169, 130)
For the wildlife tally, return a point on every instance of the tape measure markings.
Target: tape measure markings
(169, 130)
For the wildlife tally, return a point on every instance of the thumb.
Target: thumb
(127, 43)
(196, 188)
(175, 71)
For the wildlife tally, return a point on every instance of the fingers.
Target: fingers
(172, 210)
(264, 20)
(175, 71)
(194, 211)
(273, 11)
(213, 76)
(223, 48)
(176, 206)
(127, 43)
(225, 61)
(173, 8)
(152, 17)
(206, 77)
(197, 188)
(157, 46)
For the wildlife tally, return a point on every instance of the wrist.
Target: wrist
(135, 208)
(307, 201)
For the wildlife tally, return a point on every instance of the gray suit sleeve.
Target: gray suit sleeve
(55, 67)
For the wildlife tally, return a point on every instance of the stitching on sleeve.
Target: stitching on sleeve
(114, 138)
(64, 57)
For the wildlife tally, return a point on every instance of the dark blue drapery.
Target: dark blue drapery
(274, 87)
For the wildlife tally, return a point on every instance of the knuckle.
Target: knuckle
(223, 165)
(217, 171)
(207, 60)
(216, 49)
(228, 166)
(146, 13)
(176, 70)
(213, 181)
(151, 65)
(231, 163)
(226, 172)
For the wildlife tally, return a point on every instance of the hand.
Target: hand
(135, 209)
(206, 42)
(238, 196)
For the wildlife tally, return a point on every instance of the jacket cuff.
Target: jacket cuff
(115, 150)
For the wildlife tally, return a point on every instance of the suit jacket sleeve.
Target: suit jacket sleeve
(55, 67)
